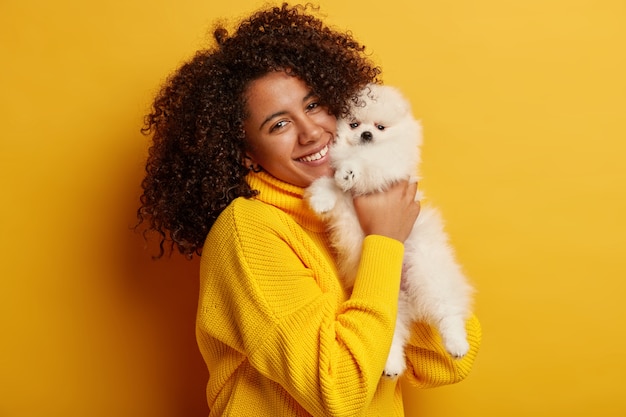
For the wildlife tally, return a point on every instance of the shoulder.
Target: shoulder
(246, 218)
(250, 212)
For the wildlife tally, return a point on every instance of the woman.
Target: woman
(238, 133)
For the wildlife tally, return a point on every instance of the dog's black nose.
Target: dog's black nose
(367, 136)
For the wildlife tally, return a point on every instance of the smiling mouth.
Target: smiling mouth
(316, 156)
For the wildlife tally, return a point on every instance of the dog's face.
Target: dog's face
(379, 115)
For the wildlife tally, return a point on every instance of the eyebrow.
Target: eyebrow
(282, 112)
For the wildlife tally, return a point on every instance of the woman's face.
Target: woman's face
(287, 131)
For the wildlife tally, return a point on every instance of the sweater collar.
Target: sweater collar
(287, 197)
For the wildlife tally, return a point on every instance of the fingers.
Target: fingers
(413, 206)
(390, 213)
(411, 189)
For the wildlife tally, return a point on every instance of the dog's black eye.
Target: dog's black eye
(380, 127)
(354, 125)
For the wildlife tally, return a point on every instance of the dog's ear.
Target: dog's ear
(404, 107)
(397, 99)
(390, 96)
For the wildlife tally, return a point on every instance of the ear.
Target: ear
(251, 164)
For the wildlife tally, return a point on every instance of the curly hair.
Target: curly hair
(195, 163)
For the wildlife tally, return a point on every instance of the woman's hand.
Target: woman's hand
(389, 213)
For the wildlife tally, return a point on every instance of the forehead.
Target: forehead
(273, 91)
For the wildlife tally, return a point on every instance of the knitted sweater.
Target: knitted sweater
(280, 334)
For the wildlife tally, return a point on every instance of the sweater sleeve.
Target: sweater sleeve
(268, 292)
(428, 363)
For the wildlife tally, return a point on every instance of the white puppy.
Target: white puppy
(377, 146)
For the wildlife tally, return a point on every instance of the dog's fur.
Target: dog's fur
(376, 147)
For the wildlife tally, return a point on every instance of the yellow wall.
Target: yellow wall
(524, 106)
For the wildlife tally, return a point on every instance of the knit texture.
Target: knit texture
(280, 334)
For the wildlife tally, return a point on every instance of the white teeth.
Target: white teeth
(315, 156)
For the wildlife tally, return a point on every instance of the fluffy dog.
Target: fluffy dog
(378, 146)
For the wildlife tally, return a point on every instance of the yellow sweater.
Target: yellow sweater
(282, 337)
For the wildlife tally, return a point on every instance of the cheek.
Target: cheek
(332, 123)
(255, 150)
(327, 121)
(271, 152)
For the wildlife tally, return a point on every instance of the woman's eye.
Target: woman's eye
(354, 125)
(278, 125)
(312, 106)
(315, 106)
(380, 127)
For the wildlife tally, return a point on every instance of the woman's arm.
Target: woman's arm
(270, 293)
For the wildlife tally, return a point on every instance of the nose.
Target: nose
(367, 136)
(310, 131)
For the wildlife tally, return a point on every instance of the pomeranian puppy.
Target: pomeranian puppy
(377, 146)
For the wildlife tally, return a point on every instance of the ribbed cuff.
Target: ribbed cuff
(380, 268)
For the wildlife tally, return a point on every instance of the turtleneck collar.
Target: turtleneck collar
(287, 197)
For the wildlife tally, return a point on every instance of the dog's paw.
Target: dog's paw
(457, 347)
(454, 336)
(321, 195)
(346, 177)
(395, 365)
(322, 203)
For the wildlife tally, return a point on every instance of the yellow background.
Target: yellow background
(524, 106)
